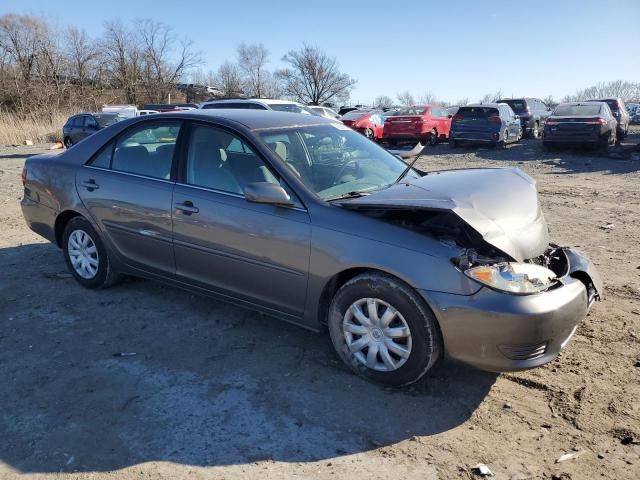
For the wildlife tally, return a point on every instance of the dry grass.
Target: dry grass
(39, 129)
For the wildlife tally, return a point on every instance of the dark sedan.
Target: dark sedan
(583, 123)
(82, 125)
(304, 219)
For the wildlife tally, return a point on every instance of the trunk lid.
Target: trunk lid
(403, 123)
(501, 204)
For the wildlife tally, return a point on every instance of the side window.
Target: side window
(77, 121)
(90, 122)
(103, 158)
(147, 149)
(221, 161)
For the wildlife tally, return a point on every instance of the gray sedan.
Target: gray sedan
(304, 219)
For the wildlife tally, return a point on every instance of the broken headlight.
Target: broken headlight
(518, 278)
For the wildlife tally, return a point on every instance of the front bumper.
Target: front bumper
(502, 332)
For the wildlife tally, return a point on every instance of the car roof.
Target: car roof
(490, 105)
(254, 119)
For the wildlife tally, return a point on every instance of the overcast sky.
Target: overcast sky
(461, 49)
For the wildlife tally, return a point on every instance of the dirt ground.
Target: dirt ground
(218, 392)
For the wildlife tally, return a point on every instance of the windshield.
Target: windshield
(577, 110)
(106, 119)
(516, 105)
(334, 161)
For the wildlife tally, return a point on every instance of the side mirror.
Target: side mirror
(449, 116)
(269, 193)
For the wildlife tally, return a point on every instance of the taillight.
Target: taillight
(495, 119)
(458, 118)
(551, 121)
(23, 176)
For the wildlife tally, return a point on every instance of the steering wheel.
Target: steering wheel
(344, 168)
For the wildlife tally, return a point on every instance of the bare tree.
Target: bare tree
(492, 97)
(252, 61)
(405, 98)
(383, 102)
(81, 53)
(164, 59)
(462, 101)
(122, 57)
(617, 88)
(428, 98)
(549, 101)
(313, 77)
(229, 80)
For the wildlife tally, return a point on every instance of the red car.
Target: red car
(368, 123)
(424, 123)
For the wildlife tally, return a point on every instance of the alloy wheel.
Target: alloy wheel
(377, 334)
(83, 254)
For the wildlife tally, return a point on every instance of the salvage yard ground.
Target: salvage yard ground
(215, 391)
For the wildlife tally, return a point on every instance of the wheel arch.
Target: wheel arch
(61, 222)
(334, 283)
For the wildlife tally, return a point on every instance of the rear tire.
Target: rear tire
(398, 359)
(88, 261)
(535, 130)
(433, 138)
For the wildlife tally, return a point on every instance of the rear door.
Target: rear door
(127, 188)
(89, 126)
(253, 252)
(77, 129)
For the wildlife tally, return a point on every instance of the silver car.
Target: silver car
(304, 219)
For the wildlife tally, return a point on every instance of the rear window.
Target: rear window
(410, 111)
(239, 105)
(353, 115)
(477, 112)
(286, 107)
(516, 105)
(577, 110)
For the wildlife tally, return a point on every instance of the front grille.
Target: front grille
(524, 352)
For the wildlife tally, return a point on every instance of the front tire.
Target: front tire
(383, 330)
(85, 255)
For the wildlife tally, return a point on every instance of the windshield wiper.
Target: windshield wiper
(406, 170)
(354, 194)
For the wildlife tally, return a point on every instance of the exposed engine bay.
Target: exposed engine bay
(544, 271)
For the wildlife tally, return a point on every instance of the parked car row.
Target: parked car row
(499, 123)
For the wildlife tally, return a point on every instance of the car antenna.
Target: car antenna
(406, 170)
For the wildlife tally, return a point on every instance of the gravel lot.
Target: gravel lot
(215, 391)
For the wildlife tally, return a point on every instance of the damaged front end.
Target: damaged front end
(492, 216)
(545, 272)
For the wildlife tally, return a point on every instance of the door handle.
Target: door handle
(90, 185)
(187, 208)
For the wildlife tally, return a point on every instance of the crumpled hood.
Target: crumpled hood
(499, 203)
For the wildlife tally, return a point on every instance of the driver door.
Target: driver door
(253, 252)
